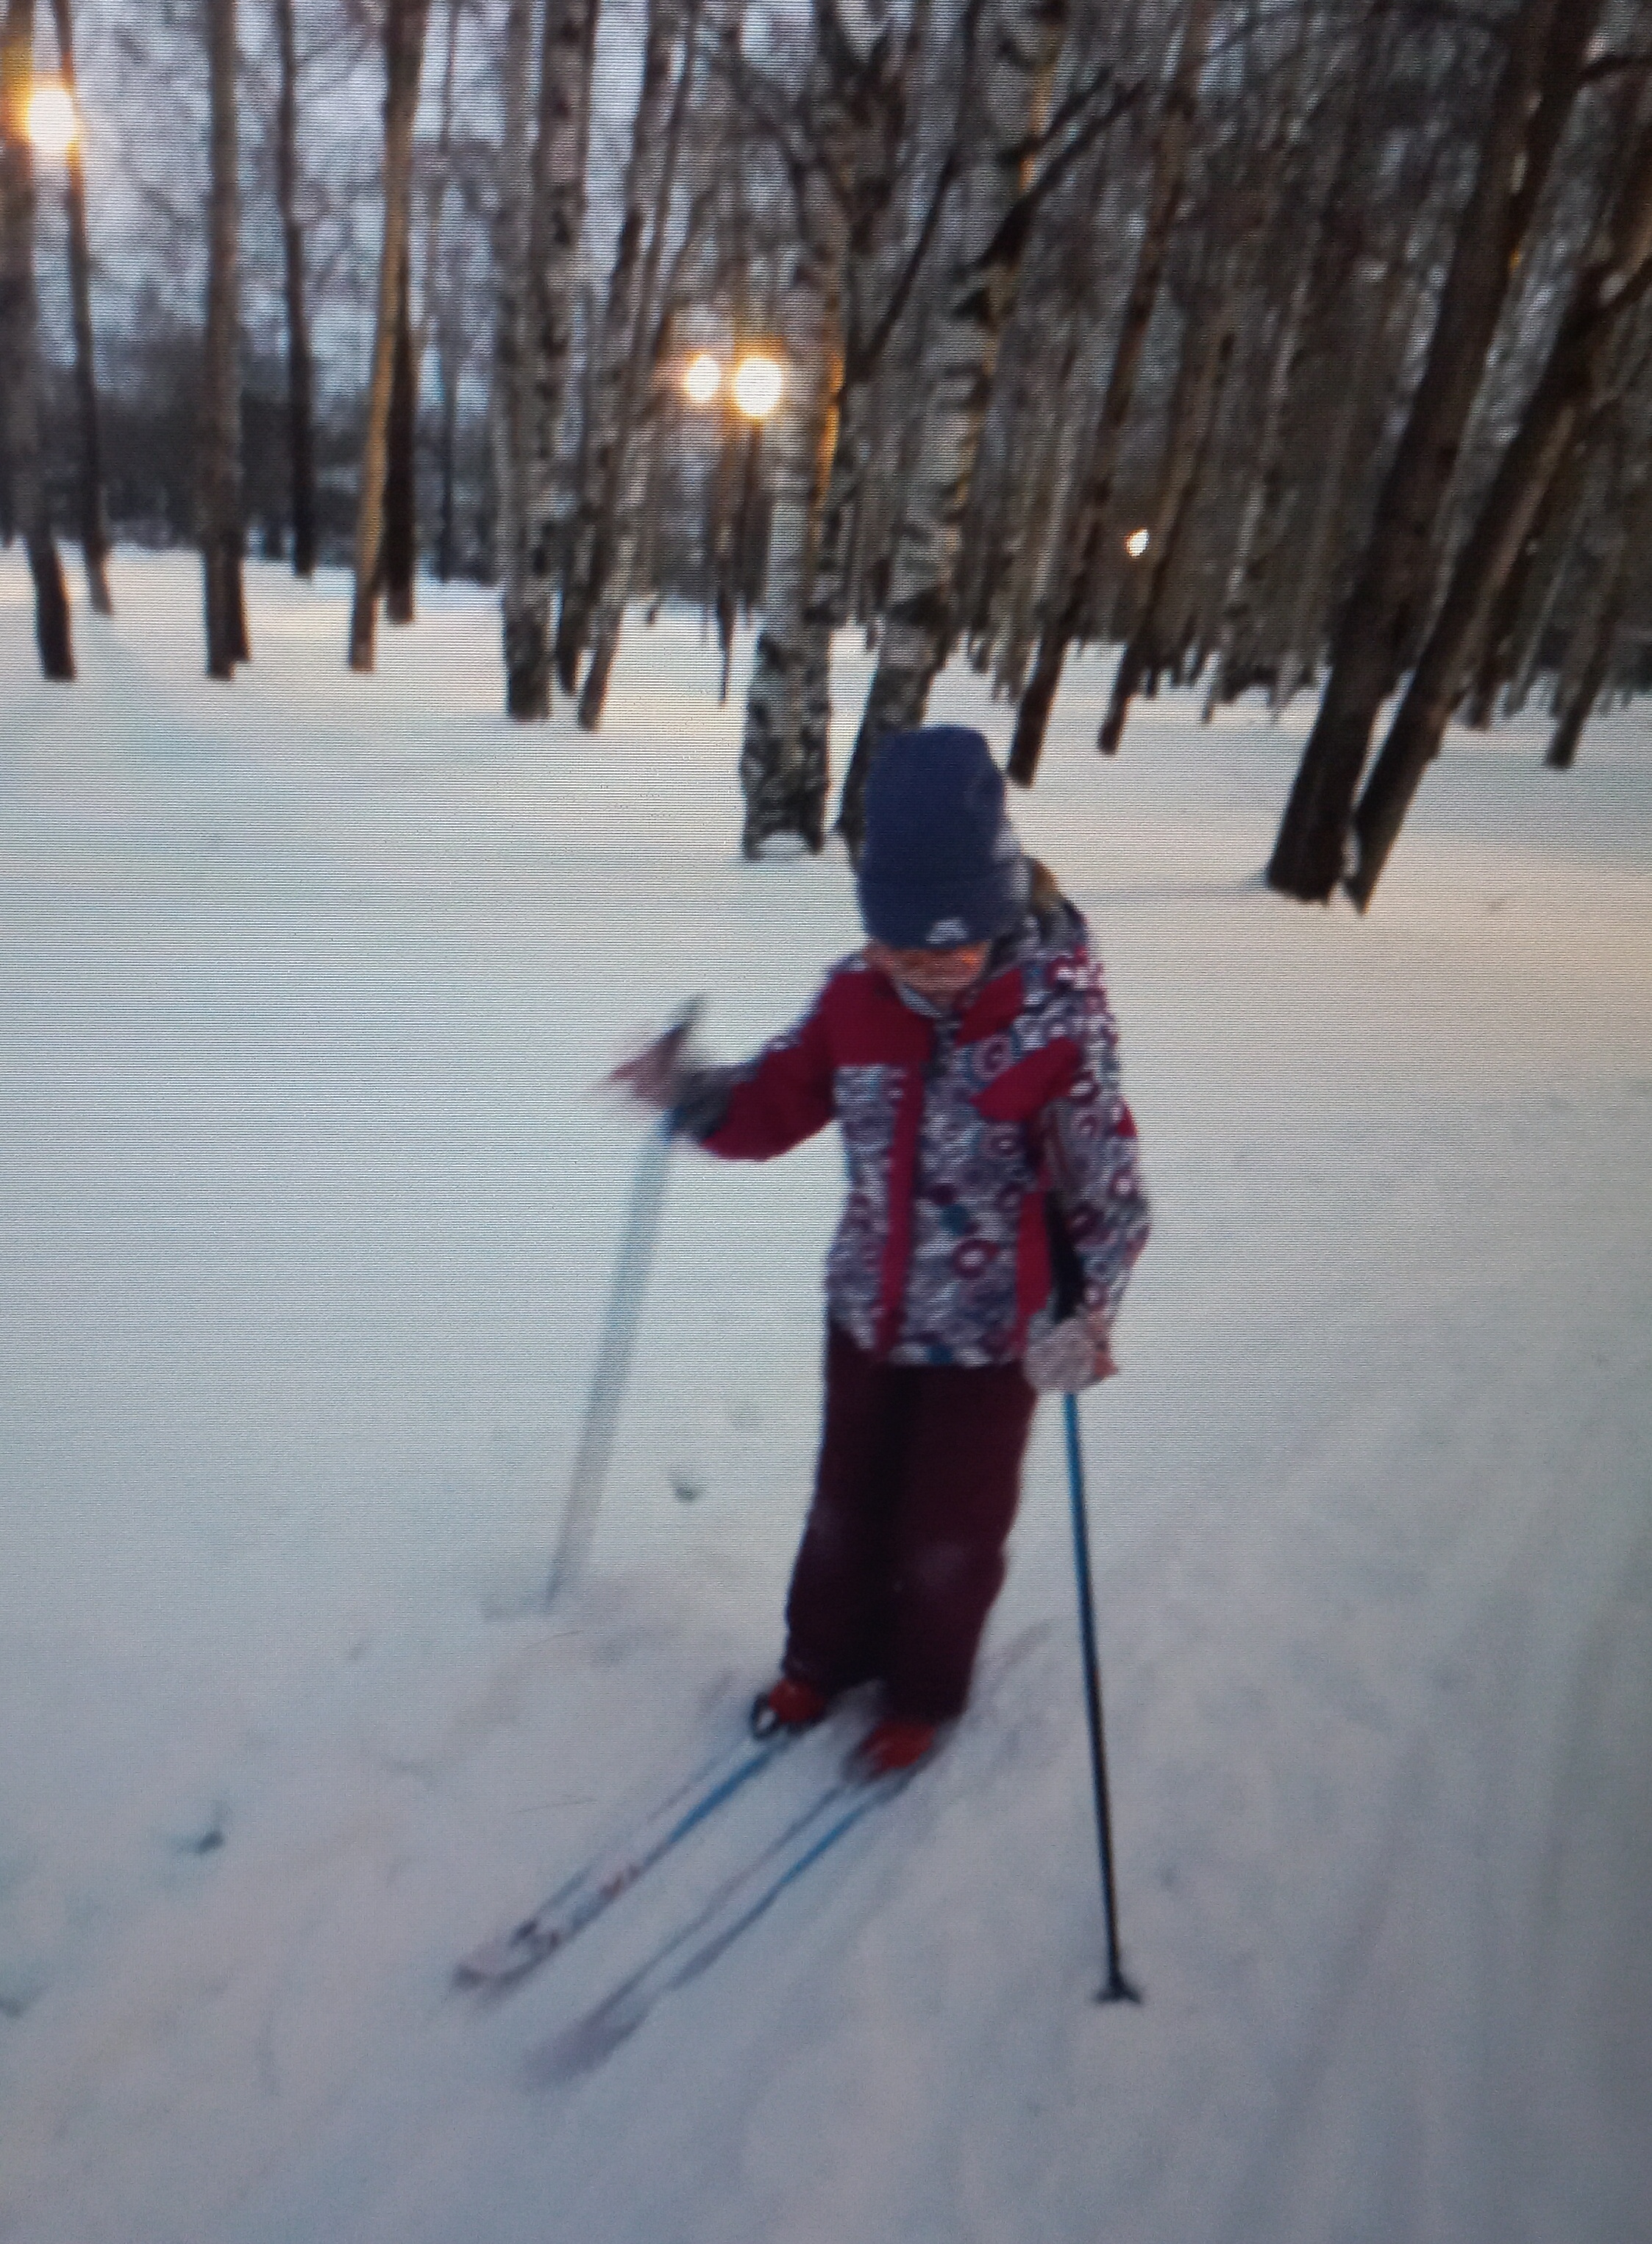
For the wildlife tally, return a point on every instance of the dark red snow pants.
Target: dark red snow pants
(903, 1550)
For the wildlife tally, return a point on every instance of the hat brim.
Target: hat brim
(910, 917)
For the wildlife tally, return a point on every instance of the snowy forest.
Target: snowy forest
(1291, 347)
(489, 490)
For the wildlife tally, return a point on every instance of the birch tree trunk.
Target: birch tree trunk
(630, 516)
(19, 347)
(1210, 353)
(1545, 47)
(615, 546)
(771, 751)
(870, 94)
(1250, 557)
(1576, 706)
(301, 363)
(509, 402)
(1616, 275)
(826, 602)
(1209, 356)
(1091, 518)
(731, 494)
(399, 546)
(1248, 563)
(404, 30)
(624, 417)
(1033, 534)
(717, 559)
(735, 503)
(1330, 505)
(1499, 655)
(555, 219)
(1552, 566)
(802, 451)
(1021, 44)
(399, 572)
(220, 425)
(1384, 314)
(94, 528)
(440, 313)
(448, 374)
(1575, 702)
(618, 347)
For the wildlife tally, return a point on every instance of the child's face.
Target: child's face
(940, 976)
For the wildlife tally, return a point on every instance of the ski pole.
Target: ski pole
(1116, 1988)
(619, 1334)
(1068, 1279)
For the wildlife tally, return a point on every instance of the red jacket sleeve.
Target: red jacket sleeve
(781, 1097)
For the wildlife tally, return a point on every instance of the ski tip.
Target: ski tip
(581, 2048)
(482, 1970)
(496, 1961)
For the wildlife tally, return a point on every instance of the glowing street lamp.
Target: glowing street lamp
(1137, 542)
(51, 121)
(701, 379)
(759, 383)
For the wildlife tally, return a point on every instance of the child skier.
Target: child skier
(969, 1058)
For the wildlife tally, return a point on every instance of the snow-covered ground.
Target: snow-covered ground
(310, 1210)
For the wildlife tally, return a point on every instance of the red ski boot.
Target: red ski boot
(789, 1704)
(894, 1744)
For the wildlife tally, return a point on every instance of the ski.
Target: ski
(583, 1896)
(784, 1858)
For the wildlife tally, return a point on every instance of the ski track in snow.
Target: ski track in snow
(304, 985)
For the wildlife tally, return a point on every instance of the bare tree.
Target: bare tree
(510, 400)
(625, 434)
(404, 34)
(633, 515)
(440, 313)
(454, 288)
(1365, 318)
(94, 528)
(399, 551)
(1615, 275)
(1248, 207)
(1019, 46)
(617, 349)
(19, 346)
(871, 81)
(555, 219)
(1090, 523)
(1349, 74)
(1043, 406)
(1589, 658)
(300, 366)
(1211, 333)
(398, 548)
(800, 459)
(1546, 47)
(732, 492)
(1539, 578)
(220, 437)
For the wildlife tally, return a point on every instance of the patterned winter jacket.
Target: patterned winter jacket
(956, 1126)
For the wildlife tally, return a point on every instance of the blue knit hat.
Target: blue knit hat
(939, 865)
